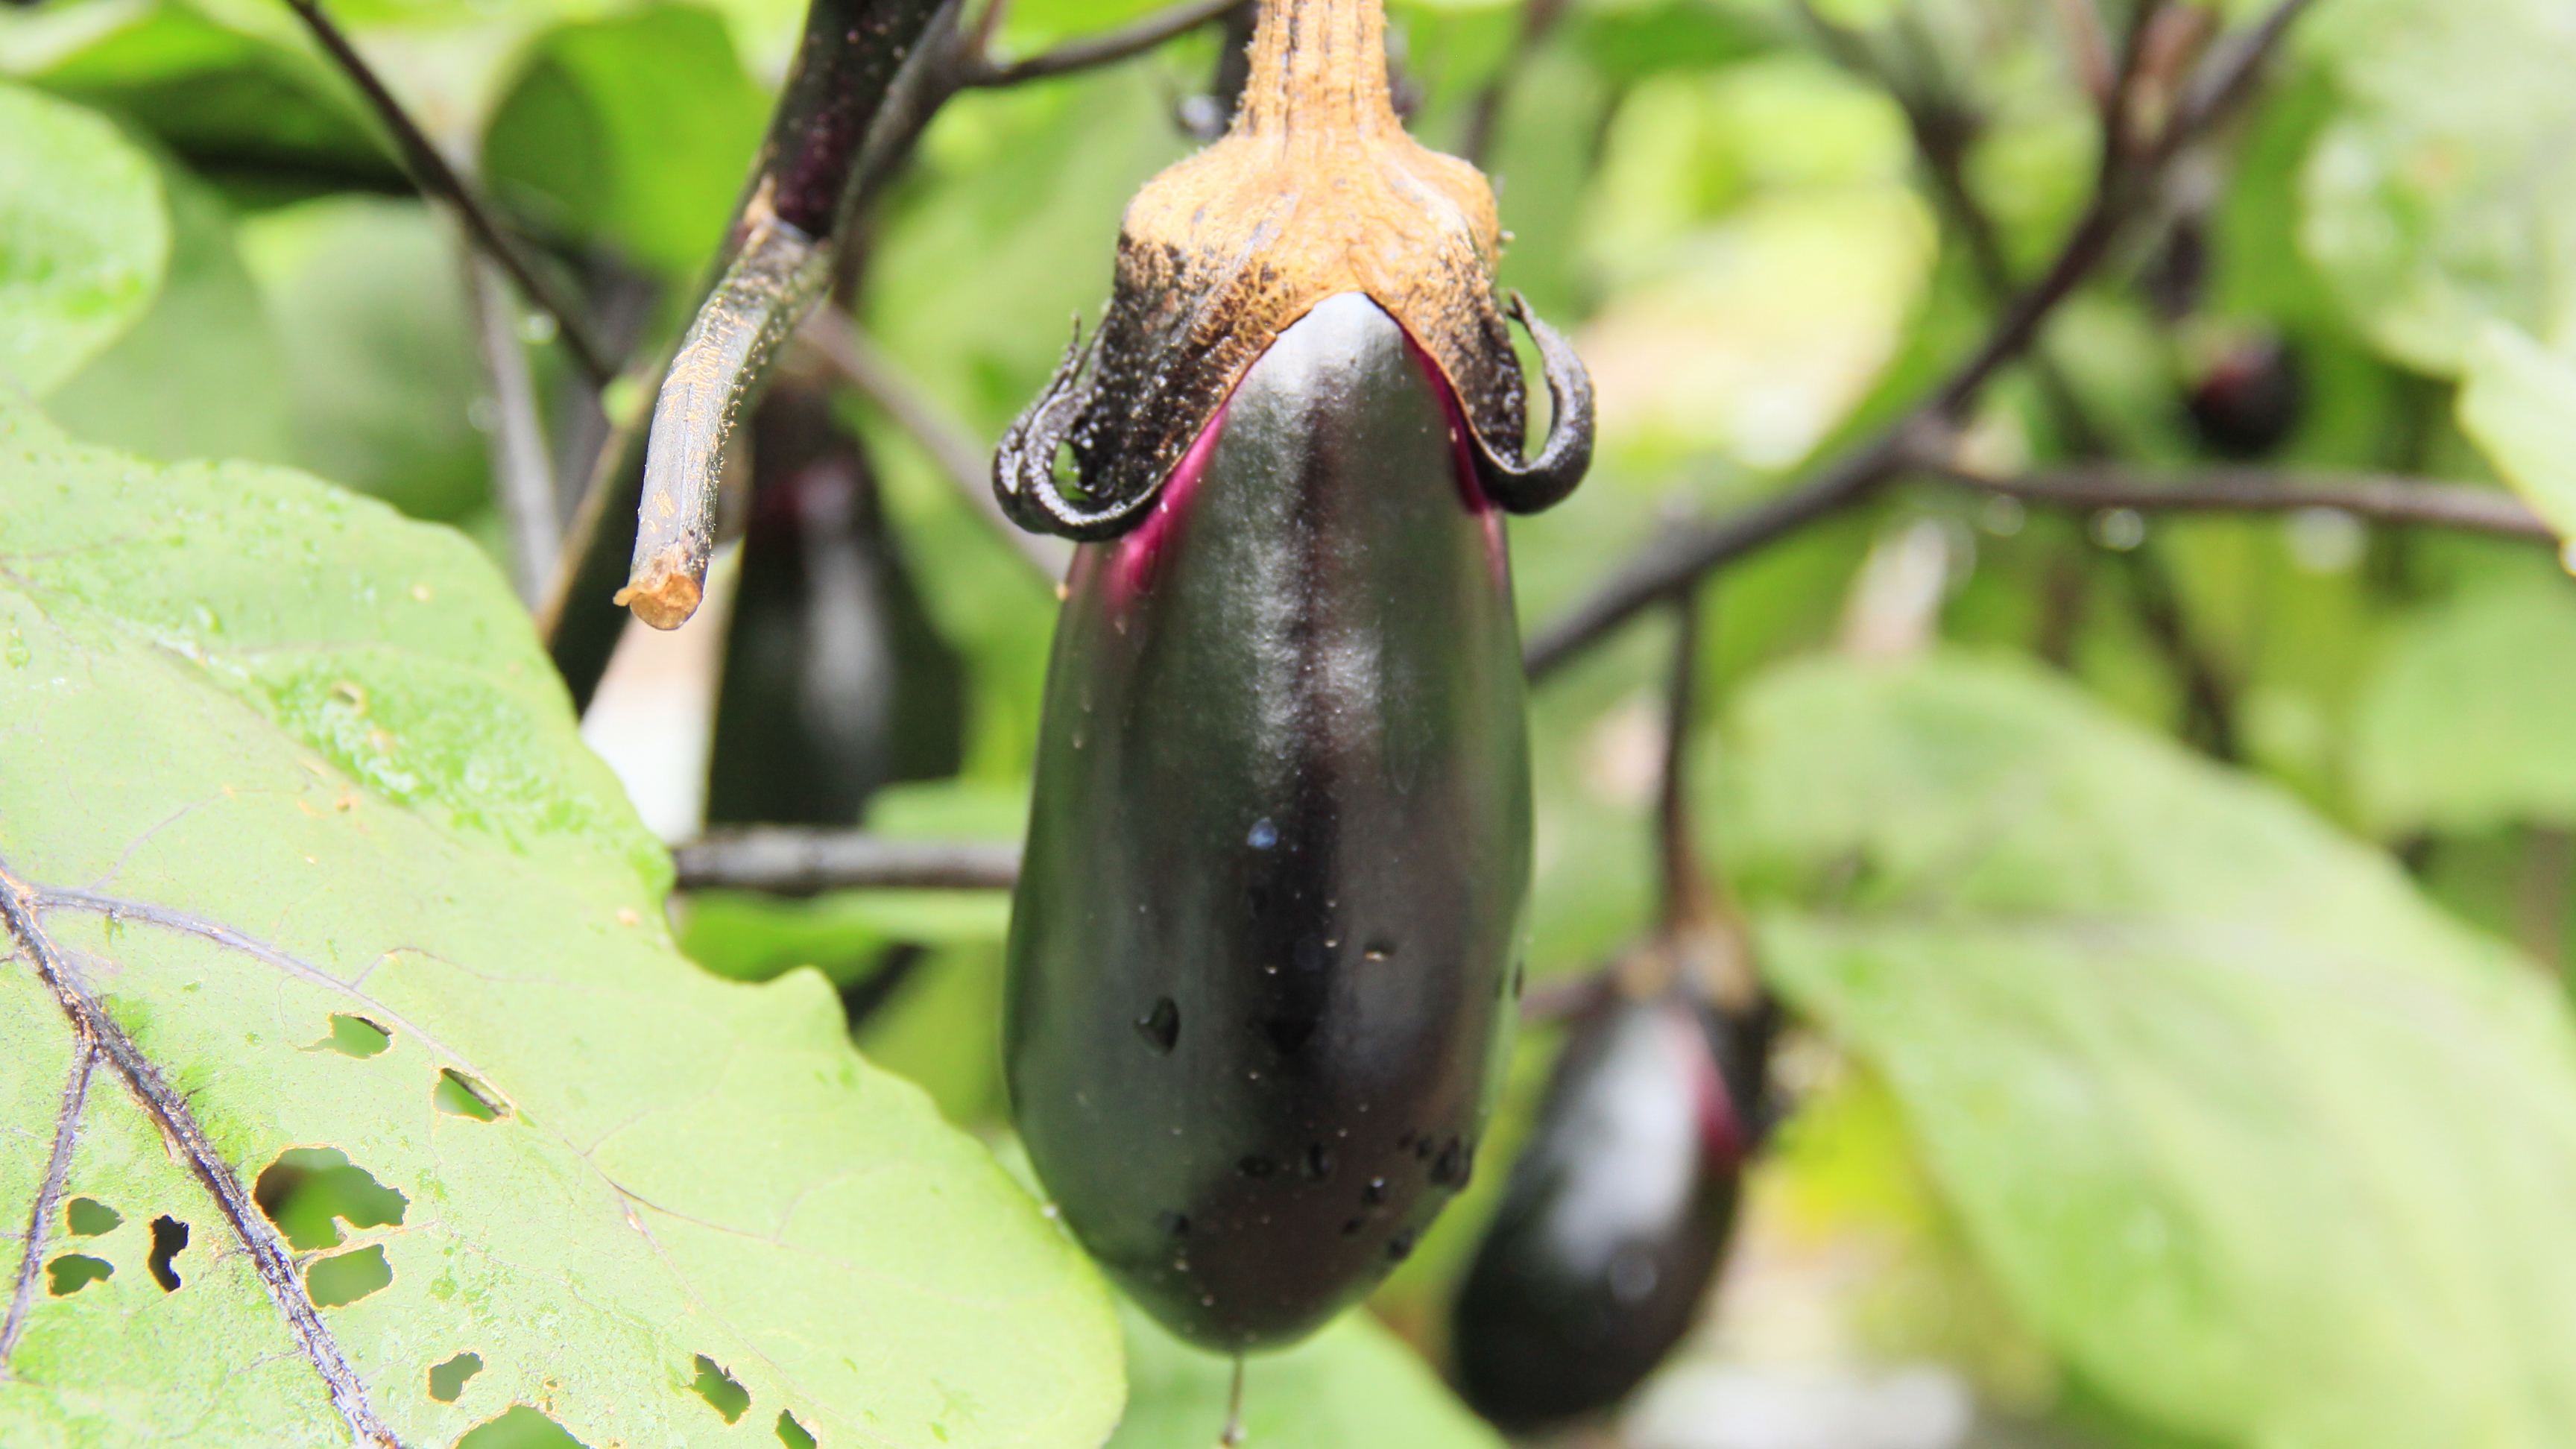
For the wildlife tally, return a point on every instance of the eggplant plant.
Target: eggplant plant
(311, 890)
(1262, 950)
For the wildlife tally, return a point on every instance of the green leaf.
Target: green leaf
(1629, 42)
(277, 757)
(1353, 1386)
(2463, 726)
(2518, 404)
(637, 131)
(258, 110)
(2266, 1147)
(2445, 196)
(83, 237)
(1756, 288)
(367, 298)
(201, 375)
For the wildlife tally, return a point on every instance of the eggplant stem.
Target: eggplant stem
(770, 286)
(1233, 1434)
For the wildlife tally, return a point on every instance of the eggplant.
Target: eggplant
(2251, 399)
(1261, 950)
(1617, 1214)
(1263, 939)
(834, 683)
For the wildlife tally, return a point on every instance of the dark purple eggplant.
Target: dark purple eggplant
(2251, 399)
(834, 683)
(1617, 1213)
(1262, 946)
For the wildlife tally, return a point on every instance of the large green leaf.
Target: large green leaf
(366, 297)
(294, 812)
(1353, 1386)
(638, 131)
(201, 375)
(212, 94)
(2518, 404)
(2264, 1145)
(83, 237)
(2463, 726)
(2445, 195)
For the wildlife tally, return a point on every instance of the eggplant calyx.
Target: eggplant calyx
(1315, 191)
(1527, 485)
(1024, 478)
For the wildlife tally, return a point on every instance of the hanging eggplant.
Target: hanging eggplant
(2248, 401)
(1263, 944)
(834, 683)
(1617, 1213)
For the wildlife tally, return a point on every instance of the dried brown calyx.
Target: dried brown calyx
(1315, 191)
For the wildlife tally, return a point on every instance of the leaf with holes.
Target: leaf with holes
(2267, 1147)
(349, 1084)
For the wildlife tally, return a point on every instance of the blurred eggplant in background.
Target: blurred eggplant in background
(834, 684)
(1618, 1211)
(2250, 398)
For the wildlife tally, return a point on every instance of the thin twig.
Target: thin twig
(579, 619)
(2208, 699)
(2378, 497)
(431, 173)
(522, 475)
(2088, 49)
(1943, 130)
(788, 861)
(862, 1000)
(1944, 126)
(1089, 54)
(1677, 852)
(858, 359)
(1682, 554)
(1232, 1434)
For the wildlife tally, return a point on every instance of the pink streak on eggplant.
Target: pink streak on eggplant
(1462, 448)
(1262, 948)
(1140, 551)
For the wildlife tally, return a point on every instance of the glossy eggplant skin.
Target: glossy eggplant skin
(1262, 950)
(1617, 1213)
(834, 683)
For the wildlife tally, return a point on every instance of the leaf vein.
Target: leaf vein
(21, 906)
(58, 1165)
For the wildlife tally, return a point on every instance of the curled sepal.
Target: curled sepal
(1527, 485)
(1024, 465)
